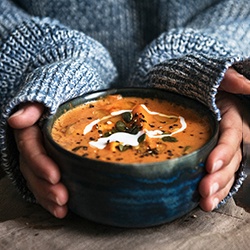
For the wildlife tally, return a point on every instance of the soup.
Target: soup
(131, 129)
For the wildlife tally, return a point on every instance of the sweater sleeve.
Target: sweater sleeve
(192, 60)
(43, 61)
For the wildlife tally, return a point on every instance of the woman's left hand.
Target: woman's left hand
(225, 159)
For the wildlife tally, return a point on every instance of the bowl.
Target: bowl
(132, 195)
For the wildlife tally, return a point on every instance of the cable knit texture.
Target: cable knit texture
(51, 51)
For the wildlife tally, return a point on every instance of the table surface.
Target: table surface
(28, 226)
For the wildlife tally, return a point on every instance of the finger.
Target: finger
(230, 138)
(29, 143)
(47, 194)
(26, 116)
(211, 202)
(213, 183)
(52, 197)
(228, 144)
(57, 211)
(246, 125)
(43, 190)
(235, 83)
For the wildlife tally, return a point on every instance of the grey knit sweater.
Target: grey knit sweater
(53, 50)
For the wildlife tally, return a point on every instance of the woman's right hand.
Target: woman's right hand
(40, 171)
(224, 160)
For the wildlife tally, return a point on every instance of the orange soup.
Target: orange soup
(131, 129)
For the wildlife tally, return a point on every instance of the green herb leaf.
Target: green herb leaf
(127, 116)
(186, 148)
(134, 130)
(122, 148)
(169, 139)
(76, 148)
(141, 138)
(120, 126)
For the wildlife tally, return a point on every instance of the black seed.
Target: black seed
(76, 148)
(119, 159)
(142, 120)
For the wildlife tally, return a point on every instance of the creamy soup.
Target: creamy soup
(131, 129)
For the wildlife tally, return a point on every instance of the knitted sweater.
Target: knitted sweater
(53, 50)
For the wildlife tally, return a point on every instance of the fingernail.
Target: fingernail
(215, 203)
(59, 202)
(54, 212)
(19, 112)
(217, 165)
(214, 188)
(52, 180)
(53, 198)
(239, 75)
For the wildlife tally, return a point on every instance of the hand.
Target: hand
(41, 173)
(225, 159)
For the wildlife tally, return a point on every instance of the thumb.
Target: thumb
(235, 83)
(27, 115)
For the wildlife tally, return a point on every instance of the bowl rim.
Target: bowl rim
(49, 121)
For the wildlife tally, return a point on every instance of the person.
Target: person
(52, 51)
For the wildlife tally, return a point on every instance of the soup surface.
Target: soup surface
(131, 129)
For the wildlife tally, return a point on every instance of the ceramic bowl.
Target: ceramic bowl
(132, 195)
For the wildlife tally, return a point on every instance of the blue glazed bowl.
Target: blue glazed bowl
(132, 195)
